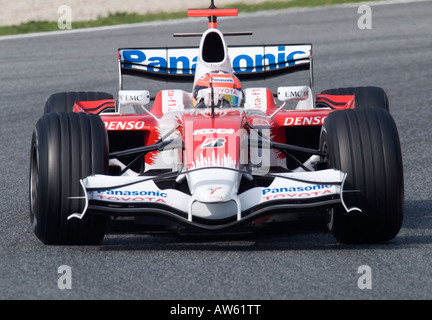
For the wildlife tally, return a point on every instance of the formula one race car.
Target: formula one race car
(220, 157)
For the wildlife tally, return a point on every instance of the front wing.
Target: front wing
(139, 196)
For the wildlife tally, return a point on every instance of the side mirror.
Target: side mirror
(293, 93)
(131, 98)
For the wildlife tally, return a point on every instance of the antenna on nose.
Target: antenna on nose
(212, 97)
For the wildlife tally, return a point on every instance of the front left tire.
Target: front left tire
(364, 144)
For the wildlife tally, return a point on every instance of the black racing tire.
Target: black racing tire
(64, 101)
(66, 147)
(365, 97)
(364, 143)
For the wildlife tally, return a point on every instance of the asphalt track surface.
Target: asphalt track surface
(301, 260)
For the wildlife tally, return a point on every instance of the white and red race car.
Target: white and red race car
(220, 157)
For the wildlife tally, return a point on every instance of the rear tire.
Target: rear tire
(66, 147)
(365, 97)
(364, 143)
(64, 101)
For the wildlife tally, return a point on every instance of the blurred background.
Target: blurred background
(23, 11)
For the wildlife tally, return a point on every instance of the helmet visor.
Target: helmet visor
(233, 100)
(227, 98)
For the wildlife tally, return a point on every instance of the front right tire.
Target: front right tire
(66, 147)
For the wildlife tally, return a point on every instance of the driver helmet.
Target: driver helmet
(226, 86)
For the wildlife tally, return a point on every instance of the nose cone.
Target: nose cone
(214, 185)
(213, 193)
